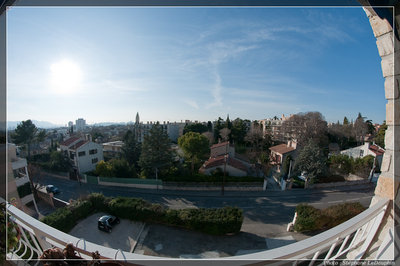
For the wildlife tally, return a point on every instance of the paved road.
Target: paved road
(268, 207)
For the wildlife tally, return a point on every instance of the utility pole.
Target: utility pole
(225, 161)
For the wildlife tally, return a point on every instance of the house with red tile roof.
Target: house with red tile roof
(369, 148)
(223, 157)
(82, 152)
(280, 152)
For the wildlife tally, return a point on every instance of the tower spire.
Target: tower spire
(137, 118)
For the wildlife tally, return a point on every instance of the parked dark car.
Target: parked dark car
(106, 222)
(52, 189)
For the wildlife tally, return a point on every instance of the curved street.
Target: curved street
(263, 210)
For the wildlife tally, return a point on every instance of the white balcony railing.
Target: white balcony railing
(354, 235)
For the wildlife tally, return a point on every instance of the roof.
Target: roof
(220, 161)
(376, 149)
(79, 144)
(220, 144)
(282, 149)
(69, 141)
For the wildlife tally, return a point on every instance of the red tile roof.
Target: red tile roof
(219, 144)
(220, 161)
(79, 144)
(69, 141)
(376, 149)
(282, 149)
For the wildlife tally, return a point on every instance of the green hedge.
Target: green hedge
(221, 221)
(312, 219)
(64, 219)
(24, 190)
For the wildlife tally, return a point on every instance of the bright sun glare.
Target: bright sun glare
(66, 76)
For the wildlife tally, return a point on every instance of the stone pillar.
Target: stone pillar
(388, 182)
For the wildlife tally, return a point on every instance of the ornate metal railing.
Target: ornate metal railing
(349, 240)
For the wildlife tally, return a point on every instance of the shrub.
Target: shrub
(307, 218)
(313, 219)
(340, 213)
(81, 209)
(62, 219)
(99, 202)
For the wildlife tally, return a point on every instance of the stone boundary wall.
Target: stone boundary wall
(64, 175)
(245, 186)
(45, 197)
(341, 184)
(150, 186)
(59, 203)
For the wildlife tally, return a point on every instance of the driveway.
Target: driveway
(124, 236)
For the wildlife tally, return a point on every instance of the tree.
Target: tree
(380, 137)
(131, 149)
(257, 141)
(59, 161)
(239, 131)
(25, 134)
(360, 129)
(104, 169)
(41, 135)
(218, 126)
(196, 127)
(224, 133)
(210, 136)
(35, 176)
(312, 161)
(195, 146)
(345, 121)
(305, 126)
(156, 150)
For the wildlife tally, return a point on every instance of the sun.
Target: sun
(65, 76)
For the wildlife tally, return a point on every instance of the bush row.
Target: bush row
(312, 219)
(220, 221)
(64, 219)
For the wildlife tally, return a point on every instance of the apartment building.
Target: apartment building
(20, 193)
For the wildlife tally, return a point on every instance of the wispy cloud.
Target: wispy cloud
(191, 103)
(216, 92)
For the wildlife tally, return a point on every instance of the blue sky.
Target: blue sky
(172, 64)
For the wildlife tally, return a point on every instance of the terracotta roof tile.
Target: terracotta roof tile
(376, 149)
(220, 161)
(219, 144)
(69, 141)
(282, 149)
(79, 144)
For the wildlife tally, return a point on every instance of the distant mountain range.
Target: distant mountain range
(44, 124)
(39, 124)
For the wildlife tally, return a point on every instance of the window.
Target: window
(95, 160)
(81, 153)
(94, 151)
(361, 153)
(71, 155)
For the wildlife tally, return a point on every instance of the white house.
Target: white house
(364, 150)
(83, 153)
